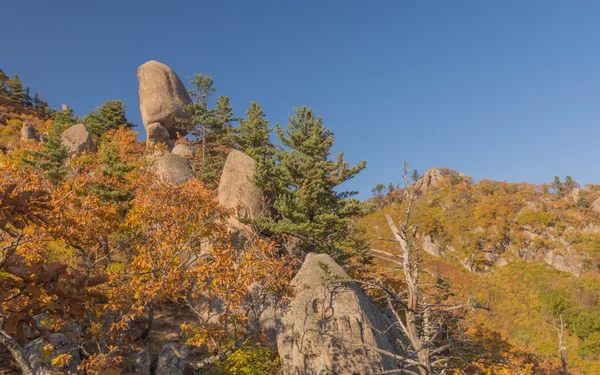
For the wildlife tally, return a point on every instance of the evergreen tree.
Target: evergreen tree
(253, 134)
(304, 182)
(557, 186)
(51, 159)
(415, 176)
(212, 129)
(15, 89)
(3, 80)
(110, 115)
(115, 168)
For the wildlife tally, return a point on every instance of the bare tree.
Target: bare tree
(562, 349)
(423, 306)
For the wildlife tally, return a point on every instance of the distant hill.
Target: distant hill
(529, 253)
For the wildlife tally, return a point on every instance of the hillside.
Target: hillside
(208, 249)
(529, 254)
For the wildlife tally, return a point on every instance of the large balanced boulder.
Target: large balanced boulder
(236, 187)
(174, 167)
(163, 98)
(330, 326)
(77, 139)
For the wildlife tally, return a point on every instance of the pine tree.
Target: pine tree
(15, 89)
(114, 168)
(212, 129)
(253, 134)
(304, 182)
(52, 158)
(110, 115)
(3, 80)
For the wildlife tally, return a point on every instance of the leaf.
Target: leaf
(112, 371)
(47, 351)
(61, 360)
(97, 280)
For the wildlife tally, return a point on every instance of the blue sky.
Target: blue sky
(506, 90)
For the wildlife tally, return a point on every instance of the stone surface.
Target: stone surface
(182, 150)
(27, 132)
(78, 140)
(596, 205)
(433, 177)
(163, 98)
(331, 327)
(62, 344)
(558, 261)
(431, 247)
(141, 362)
(156, 133)
(236, 189)
(174, 167)
(171, 360)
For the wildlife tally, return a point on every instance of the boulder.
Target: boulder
(42, 364)
(174, 167)
(27, 132)
(141, 362)
(78, 140)
(330, 326)
(559, 262)
(171, 359)
(236, 187)
(182, 150)
(163, 98)
(156, 133)
(433, 177)
(596, 205)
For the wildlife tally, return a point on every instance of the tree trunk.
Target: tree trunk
(149, 322)
(17, 353)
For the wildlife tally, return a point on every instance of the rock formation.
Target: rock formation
(182, 150)
(174, 167)
(331, 327)
(27, 132)
(172, 360)
(433, 177)
(163, 98)
(596, 205)
(42, 364)
(78, 140)
(236, 187)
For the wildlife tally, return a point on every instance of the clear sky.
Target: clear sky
(506, 90)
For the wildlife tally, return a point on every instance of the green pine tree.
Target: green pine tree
(3, 81)
(15, 89)
(52, 158)
(253, 134)
(212, 129)
(110, 115)
(304, 181)
(115, 168)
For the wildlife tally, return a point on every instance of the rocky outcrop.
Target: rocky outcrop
(174, 167)
(236, 187)
(27, 132)
(42, 364)
(156, 133)
(163, 98)
(171, 360)
(596, 205)
(330, 326)
(182, 150)
(558, 261)
(141, 362)
(77, 139)
(433, 177)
